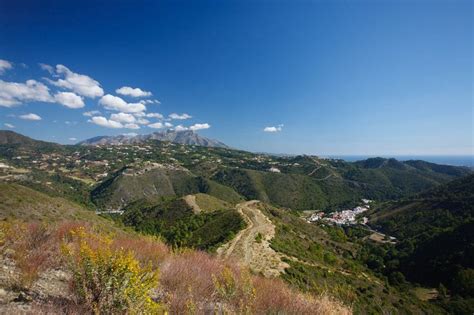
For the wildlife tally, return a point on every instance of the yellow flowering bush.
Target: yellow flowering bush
(107, 280)
(235, 289)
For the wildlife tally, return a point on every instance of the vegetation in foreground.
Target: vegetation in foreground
(123, 273)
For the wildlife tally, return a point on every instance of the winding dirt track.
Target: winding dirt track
(191, 201)
(245, 248)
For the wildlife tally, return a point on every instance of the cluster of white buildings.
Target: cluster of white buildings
(342, 217)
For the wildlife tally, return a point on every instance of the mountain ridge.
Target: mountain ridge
(188, 137)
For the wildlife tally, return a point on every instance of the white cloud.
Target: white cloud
(69, 100)
(13, 93)
(273, 128)
(157, 125)
(168, 125)
(9, 125)
(104, 122)
(78, 83)
(142, 121)
(199, 127)
(180, 128)
(154, 115)
(72, 139)
(91, 113)
(132, 126)
(5, 65)
(123, 118)
(134, 92)
(139, 114)
(116, 103)
(30, 116)
(130, 134)
(179, 117)
(46, 67)
(155, 101)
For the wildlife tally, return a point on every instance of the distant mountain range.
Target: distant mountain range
(188, 137)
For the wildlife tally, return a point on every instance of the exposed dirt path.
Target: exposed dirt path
(191, 201)
(315, 170)
(245, 248)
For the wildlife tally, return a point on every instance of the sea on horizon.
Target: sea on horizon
(455, 160)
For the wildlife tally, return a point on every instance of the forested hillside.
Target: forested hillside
(435, 231)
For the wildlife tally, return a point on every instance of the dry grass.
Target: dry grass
(190, 281)
(273, 296)
(33, 247)
(145, 249)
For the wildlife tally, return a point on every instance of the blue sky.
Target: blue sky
(321, 77)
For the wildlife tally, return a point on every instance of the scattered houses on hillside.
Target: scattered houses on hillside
(344, 217)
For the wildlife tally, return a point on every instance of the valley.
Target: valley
(251, 210)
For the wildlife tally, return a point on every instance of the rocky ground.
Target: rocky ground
(51, 288)
(251, 246)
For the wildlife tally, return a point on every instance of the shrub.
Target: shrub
(273, 296)
(187, 276)
(235, 289)
(32, 247)
(146, 249)
(107, 280)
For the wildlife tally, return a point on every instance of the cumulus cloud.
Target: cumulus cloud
(130, 134)
(179, 117)
(72, 139)
(133, 92)
(13, 93)
(104, 122)
(69, 99)
(116, 103)
(132, 126)
(46, 67)
(79, 83)
(5, 65)
(142, 121)
(180, 128)
(91, 113)
(168, 125)
(154, 115)
(196, 127)
(9, 125)
(30, 116)
(157, 125)
(123, 118)
(273, 128)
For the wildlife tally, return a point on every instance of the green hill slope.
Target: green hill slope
(173, 219)
(324, 258)
(129, 185)
(436, 239)
(19, 202)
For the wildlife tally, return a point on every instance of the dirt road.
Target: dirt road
(191, 201)
(246, 246)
